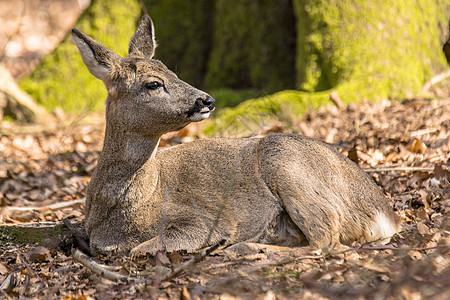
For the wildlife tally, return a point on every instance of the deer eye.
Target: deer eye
(153, 85)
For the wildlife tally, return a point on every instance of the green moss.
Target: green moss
(50, 235)
(20, 236)
(62, 79)
(369, 50)
(251, 115)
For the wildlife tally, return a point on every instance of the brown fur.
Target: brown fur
(281, 189)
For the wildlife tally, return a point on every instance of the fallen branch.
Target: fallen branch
(55, 206)
(98, 269)
(47, 234)
(397, 169)
(105, 272)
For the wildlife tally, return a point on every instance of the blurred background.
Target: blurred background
(285, 55)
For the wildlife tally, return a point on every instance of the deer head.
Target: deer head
(144, 96)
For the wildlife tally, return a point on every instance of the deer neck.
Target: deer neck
(127, 150)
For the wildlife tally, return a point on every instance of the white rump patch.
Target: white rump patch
(382, 228)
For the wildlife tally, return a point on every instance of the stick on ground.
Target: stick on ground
(198, 257)
(83, 259)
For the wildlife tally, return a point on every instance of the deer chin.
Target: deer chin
(203, 114)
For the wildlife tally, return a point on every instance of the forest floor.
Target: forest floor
(405, 147)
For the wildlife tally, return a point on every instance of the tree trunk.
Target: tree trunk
(354, 50)
(253, 45)
(184, 31)
(48, 234)
(61, 79)
(16, 104)
(370, 49)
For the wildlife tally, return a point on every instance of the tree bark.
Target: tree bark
(370, 49)
(253, 46)
(16, 104)
(62, 80)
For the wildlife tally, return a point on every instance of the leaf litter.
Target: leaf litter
(405, 147)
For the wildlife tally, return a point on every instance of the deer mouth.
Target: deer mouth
(200, 115)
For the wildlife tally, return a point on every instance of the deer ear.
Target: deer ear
(97, 58)
(143, 43)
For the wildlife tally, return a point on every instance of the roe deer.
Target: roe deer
(282, 189)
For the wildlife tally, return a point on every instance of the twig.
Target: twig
(386, 247)
(98, 269)
(423, 131)
(334, 96)
(31, 270)
(398, 169)
(52, 206)
(112, 268)
(80, 240)
(435, 80)
(198, 257)
(103, 271)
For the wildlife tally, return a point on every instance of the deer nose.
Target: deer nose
(209, 102)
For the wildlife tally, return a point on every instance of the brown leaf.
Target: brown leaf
(175, 257)
(415, 255)
(417, 146)
(162, 258)
(421, 214)
(374, 267)
(9, 283)
(185, 295)
(38, 254)
(442, 171)
(353, 155)
(3, 269)
(422, 228)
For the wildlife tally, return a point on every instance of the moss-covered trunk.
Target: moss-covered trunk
(61, 79)
(184, 29)
(253, 45)
(386, 49)
(360, 49)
